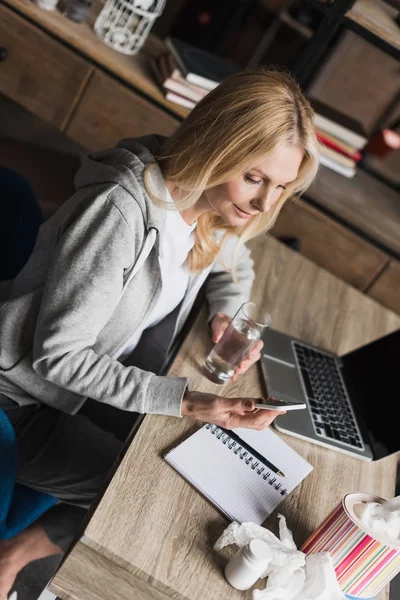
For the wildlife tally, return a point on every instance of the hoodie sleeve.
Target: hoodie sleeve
(223, 293)
(81, 292)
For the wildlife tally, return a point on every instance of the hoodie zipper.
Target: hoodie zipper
(144, 253)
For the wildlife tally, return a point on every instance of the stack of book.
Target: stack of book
(186, 73)
(341, 139)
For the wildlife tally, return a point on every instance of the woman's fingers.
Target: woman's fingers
(257, 348)
(259, 419)
(256, 351)
(227, 412)
(249, 360)
(245, 365)
(218, 325)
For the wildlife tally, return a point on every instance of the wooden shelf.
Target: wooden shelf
(291, 22)
(363, 204)
(377, 18)
(133, 70)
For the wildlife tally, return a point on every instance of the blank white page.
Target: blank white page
(237, 483)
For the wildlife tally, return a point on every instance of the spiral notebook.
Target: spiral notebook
(240, 472)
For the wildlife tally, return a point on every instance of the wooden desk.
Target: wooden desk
(151, 536)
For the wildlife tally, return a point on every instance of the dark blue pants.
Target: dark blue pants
(20, 219)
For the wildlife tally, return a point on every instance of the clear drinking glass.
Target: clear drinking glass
(238, 339)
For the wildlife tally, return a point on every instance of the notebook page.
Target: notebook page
(233, 482)
(270, 445)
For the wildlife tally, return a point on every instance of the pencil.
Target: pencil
(234, 436)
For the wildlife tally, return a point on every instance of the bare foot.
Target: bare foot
(8, 568)
(16, 553)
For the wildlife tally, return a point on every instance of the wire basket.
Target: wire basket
(125, 24)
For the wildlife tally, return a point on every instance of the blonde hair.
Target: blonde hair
(228, 132)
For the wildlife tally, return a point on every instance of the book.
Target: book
(335, 166)
(178, 99)
(341, 126)
(176, 73)
(170, 78)
(341, 159)
(199, 66)
(239, 477)
(331, 142)
(346, 147)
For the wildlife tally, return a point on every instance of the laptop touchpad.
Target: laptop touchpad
(282, 379)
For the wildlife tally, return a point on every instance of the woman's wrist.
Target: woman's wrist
(187, 403)
(195, 403)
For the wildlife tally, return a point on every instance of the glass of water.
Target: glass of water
(237, 341)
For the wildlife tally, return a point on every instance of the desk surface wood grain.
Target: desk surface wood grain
(152, 534)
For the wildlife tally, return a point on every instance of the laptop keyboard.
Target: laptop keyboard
(330, 408)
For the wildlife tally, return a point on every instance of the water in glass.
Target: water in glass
(238, 340)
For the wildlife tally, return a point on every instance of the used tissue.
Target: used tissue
(382, 520)
(291, 574)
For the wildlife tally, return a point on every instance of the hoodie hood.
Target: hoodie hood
(125, 165)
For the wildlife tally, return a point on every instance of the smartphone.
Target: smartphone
(273, 404)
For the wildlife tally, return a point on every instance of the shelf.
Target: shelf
(363, 204)
(322, 7)
(291, 22)
(132, 70)
(376, 21)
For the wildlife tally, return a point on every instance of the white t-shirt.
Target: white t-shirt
(175, 245)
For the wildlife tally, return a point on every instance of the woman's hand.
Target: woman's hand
(227, 412)
(218, 325)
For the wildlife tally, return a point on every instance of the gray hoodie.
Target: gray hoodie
(92, 279)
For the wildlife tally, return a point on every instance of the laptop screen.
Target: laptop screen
(373, 374)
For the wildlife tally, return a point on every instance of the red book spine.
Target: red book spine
(356, 156)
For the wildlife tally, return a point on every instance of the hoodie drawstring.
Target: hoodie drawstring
(144, 253)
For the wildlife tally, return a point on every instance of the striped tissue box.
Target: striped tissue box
(363, 565)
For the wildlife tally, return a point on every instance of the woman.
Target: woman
(119, 265)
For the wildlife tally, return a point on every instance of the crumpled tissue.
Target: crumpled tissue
(382, 519)
(291, 574)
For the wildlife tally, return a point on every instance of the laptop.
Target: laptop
(351, 400)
